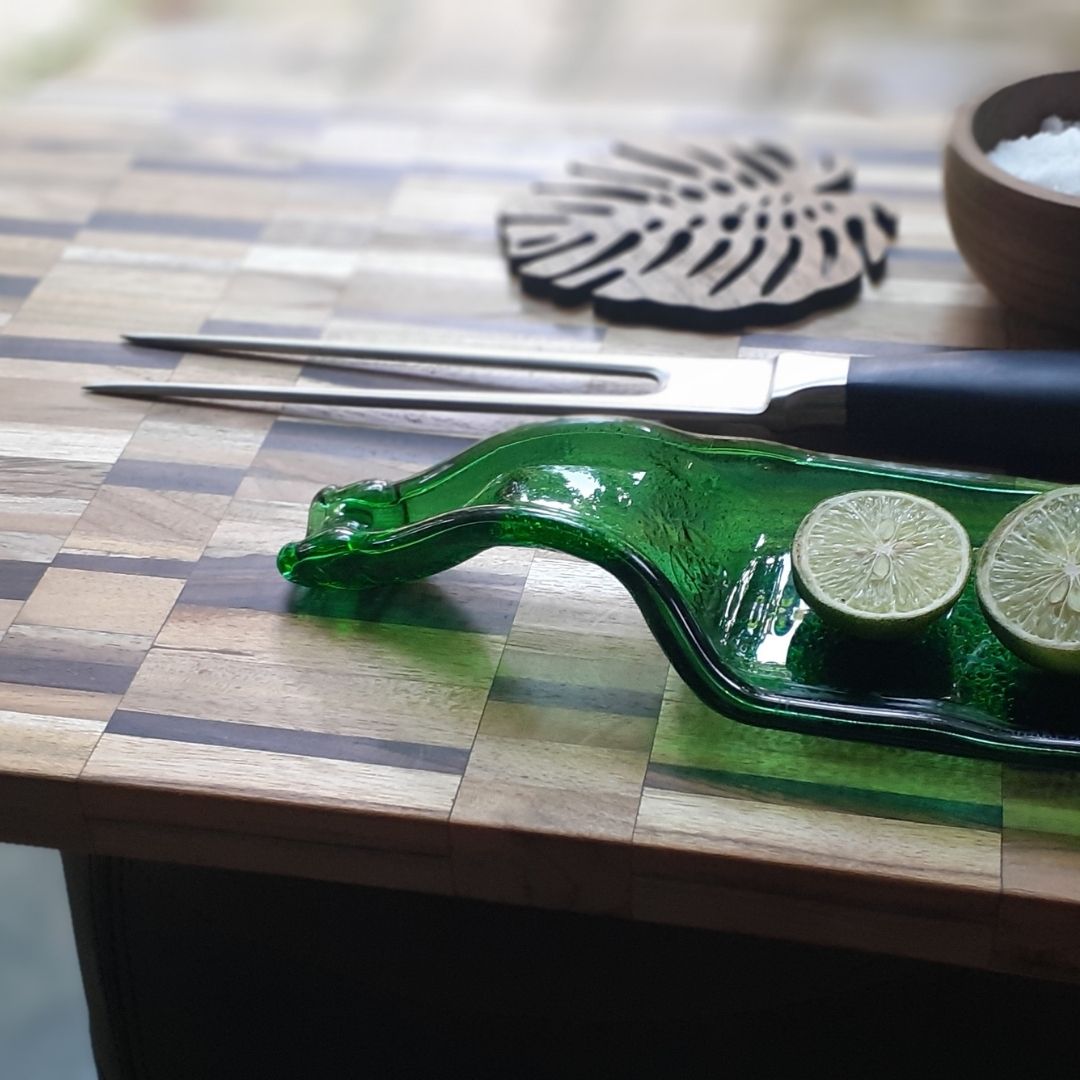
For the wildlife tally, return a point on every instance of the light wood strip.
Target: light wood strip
(53, 747)
(1040, 917)
(8, 610)
(671, 822)
(118, 603)
(148, 524)
(346, 646)
(215, 686)
(276, 778)
(201, 436)
(44, 442)
(551, 788)
(41, 757)
(56, 701)
(105, 297)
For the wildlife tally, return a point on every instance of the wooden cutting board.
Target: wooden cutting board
(508, 730)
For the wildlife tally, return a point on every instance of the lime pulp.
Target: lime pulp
(879, 563)
(1028, 580)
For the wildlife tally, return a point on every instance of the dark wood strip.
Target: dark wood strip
(175, 476)
(193, 225)
(17, 285)
(462, 600)
(50, 230)
(69, 145)
(211, 167)
(260, 329)
(855, 800)
(68, 351)
(251, 582)
(882, 154)
(555, 695)
(317, 744)
(457, 600)
(929, 196)
(64, 674)
(921, 254)
(363, 174)
(204, 115)
(124, 564)
(19, 579)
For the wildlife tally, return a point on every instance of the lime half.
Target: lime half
(1028, 580)
(880, 564)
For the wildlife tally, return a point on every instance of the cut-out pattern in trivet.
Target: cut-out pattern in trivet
(699, 235)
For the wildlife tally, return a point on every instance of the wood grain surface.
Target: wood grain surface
(508, 730)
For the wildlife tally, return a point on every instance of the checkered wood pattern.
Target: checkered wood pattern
(508, 730)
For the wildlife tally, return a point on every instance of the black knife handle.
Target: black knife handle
(1014, 411)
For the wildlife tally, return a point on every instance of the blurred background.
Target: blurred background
(556, 62)
(818, 54)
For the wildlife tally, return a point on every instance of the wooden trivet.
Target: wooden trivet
(701, 236)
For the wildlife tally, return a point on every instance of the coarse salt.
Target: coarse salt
(1049, 158)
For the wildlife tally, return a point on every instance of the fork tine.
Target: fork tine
(452, 400)
(269, 347)
(646, 406)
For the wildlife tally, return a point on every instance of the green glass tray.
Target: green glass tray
(699, 530)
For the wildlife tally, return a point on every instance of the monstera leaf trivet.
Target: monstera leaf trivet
(699, 235)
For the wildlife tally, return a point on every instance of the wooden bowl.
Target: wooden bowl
(1021, 240)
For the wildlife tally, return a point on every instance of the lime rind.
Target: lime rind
(1028, 580)
(880, 563)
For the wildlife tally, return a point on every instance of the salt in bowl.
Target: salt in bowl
(1021, 240)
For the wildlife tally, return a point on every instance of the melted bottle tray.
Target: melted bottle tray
(699, 531)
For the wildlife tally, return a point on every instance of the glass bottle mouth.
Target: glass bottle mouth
(367, 504)
(320, 508)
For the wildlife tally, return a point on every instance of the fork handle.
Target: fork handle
(1016, 410)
